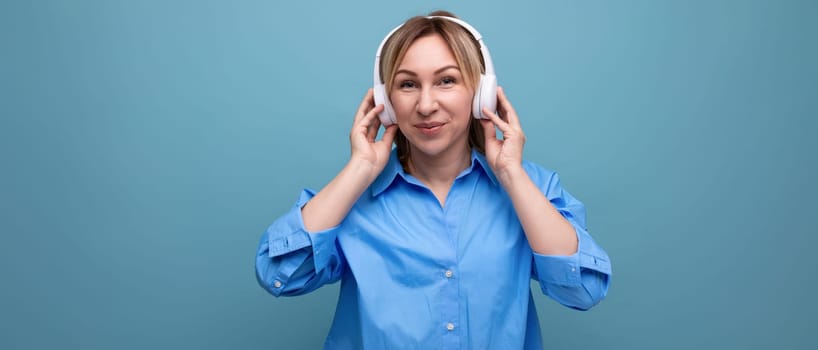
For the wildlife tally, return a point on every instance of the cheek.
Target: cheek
(403, 104)
(458, 104)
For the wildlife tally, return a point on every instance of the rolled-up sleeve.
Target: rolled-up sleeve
(580, 280)
(292, 261)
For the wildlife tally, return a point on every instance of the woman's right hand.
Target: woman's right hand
(331, 205)
(367, 151)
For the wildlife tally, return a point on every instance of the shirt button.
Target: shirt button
(277, 284)
(450, 326)
(449, 274)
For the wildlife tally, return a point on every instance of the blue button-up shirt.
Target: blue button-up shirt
(415, 275)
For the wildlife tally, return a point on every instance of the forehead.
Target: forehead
(428, 52)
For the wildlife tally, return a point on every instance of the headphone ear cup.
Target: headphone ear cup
(485, 97)
(387, 116)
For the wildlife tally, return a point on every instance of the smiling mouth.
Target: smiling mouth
(430, 129)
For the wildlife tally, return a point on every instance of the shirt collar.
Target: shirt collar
(393, 169)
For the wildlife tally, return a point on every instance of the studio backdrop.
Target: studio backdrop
(146, 145)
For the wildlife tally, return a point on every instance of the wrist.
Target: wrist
(511, 175)
(362, 169)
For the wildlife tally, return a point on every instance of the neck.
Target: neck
(441, 169)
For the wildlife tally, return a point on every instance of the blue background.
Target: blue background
(146, 145)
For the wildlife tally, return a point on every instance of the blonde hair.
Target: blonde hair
(466, 52)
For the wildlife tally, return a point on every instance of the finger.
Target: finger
(489, 133)
(367, 119)
(389, 134)
(372, 129)
(366, 103)
(508, 110)
(501, 124)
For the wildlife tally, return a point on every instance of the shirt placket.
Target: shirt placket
(452, 216)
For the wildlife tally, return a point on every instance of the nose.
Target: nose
(427, 102)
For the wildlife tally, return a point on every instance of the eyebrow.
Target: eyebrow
(406, 71)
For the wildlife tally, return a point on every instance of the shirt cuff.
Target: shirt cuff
(292, 235)
(567, 270)
(554, 269)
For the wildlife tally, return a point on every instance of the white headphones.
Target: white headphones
(484, 96)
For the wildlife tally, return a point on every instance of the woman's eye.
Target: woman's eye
(447, 81)
(408, 84)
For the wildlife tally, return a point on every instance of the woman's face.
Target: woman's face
(431, 99)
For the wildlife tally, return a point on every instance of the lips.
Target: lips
(430, 128)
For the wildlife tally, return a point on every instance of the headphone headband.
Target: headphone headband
(489, 65)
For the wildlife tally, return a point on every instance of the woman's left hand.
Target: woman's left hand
(504, 156)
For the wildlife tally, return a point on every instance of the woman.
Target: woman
(435, 242)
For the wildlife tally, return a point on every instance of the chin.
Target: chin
(431, 148)
(428, 151)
